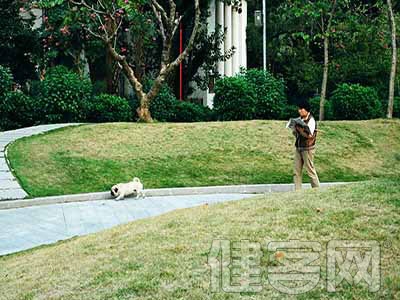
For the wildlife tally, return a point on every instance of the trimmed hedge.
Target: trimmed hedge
(355, 102)
(191, 112)
(6, 80)
(63, 96)
(108, 108)
(166, 108)
(252, 94)
(16, 111)
(396, 107)
(270, 93)
(314, 102)
(234, 99)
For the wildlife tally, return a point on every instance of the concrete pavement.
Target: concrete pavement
(29, 227)
(9, 186)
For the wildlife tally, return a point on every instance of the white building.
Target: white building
(235, 24)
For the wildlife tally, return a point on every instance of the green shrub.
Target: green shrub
(162, 107)
(270, 93)
(16, 111)
(234, 99)
(289, 111)
(396, 107)
(191, 112)
(63, 96)
(108, 108)
(166, 108)
(355, 102)
(6, 80)
(314, 102)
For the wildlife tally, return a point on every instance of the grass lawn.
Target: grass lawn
(165, 257)
(92, 157)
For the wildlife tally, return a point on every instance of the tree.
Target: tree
(62, 42)
(326, 29)
(111, 17)
(18, 42)
(317, 19)
(392, 22)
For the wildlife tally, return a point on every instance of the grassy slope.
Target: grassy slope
(92, 158)
(166, 257)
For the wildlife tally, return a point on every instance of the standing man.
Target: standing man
(305, 148)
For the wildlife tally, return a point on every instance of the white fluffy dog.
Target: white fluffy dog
(121, 190)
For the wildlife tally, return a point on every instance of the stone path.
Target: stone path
(29, 227)
(9, 186)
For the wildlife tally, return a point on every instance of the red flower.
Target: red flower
(65, 30)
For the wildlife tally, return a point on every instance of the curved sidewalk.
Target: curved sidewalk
(9, 186)
(29, 227)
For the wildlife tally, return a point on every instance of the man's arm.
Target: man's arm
(301, 131)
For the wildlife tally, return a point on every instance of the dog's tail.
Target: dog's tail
(136, 179)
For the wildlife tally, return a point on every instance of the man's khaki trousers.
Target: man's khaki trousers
(304, 158)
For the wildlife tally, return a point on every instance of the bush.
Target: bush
(191, 112)
(108, 108)
(355, 102)
(162, 107)
(166, 108)
(289, 111)
(396, 107)
(16, 111)
(234, 99)
(314, 102)
(63, 96)
(6, 80)
(270, 93)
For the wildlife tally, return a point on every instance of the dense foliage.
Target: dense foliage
(19, 44)
(252, 94)
(315, 103)
(6, 80)
(270, 93)
(108, 108)
(234, 99)
(356, 102)
(63, 96)
(16, 110)
(165, 107)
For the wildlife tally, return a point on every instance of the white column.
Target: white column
(211, 21)
(228, 38)
(220, 21)
(264, 15)
(236, 32)
(243, 35)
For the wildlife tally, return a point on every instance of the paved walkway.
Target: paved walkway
(9, 186)
(25, 228)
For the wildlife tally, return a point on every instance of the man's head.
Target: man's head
(303, 108)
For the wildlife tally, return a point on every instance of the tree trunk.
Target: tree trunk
(143, 111)
(324, 79)
(109, 72)
(394, 60)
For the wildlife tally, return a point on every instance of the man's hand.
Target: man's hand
(301, 131)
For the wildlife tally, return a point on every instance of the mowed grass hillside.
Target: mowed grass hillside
(93, 157)
(165, 257)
